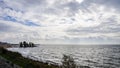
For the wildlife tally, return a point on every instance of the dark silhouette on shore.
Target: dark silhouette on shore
(19, 61)
(68, 62)
(25, 44)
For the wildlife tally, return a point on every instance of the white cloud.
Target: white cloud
(79, 1)
(60, 21)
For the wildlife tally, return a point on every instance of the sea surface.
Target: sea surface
(99, 56)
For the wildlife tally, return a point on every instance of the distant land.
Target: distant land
(5, 44)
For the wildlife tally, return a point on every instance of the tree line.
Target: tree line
(26, 44)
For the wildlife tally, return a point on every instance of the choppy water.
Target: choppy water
(92, 56)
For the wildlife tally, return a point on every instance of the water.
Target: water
(92, 56)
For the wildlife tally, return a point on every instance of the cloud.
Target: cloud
(111, 3)
(62, 21)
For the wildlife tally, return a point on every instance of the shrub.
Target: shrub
(21, 44)
(68, 62)
(2, 50)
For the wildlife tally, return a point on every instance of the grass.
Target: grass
(18, 59)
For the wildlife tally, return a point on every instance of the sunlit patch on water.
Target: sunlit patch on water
(95, 56)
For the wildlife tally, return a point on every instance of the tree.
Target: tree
(68, 62)
(25, 43)
(21, 44)
(32, 44)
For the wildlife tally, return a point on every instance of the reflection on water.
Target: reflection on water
(93, 56)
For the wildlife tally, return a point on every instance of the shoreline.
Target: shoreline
(17, 59)
(7, 64)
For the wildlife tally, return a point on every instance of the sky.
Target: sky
(60, 21)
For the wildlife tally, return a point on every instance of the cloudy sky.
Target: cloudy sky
(60, 21)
